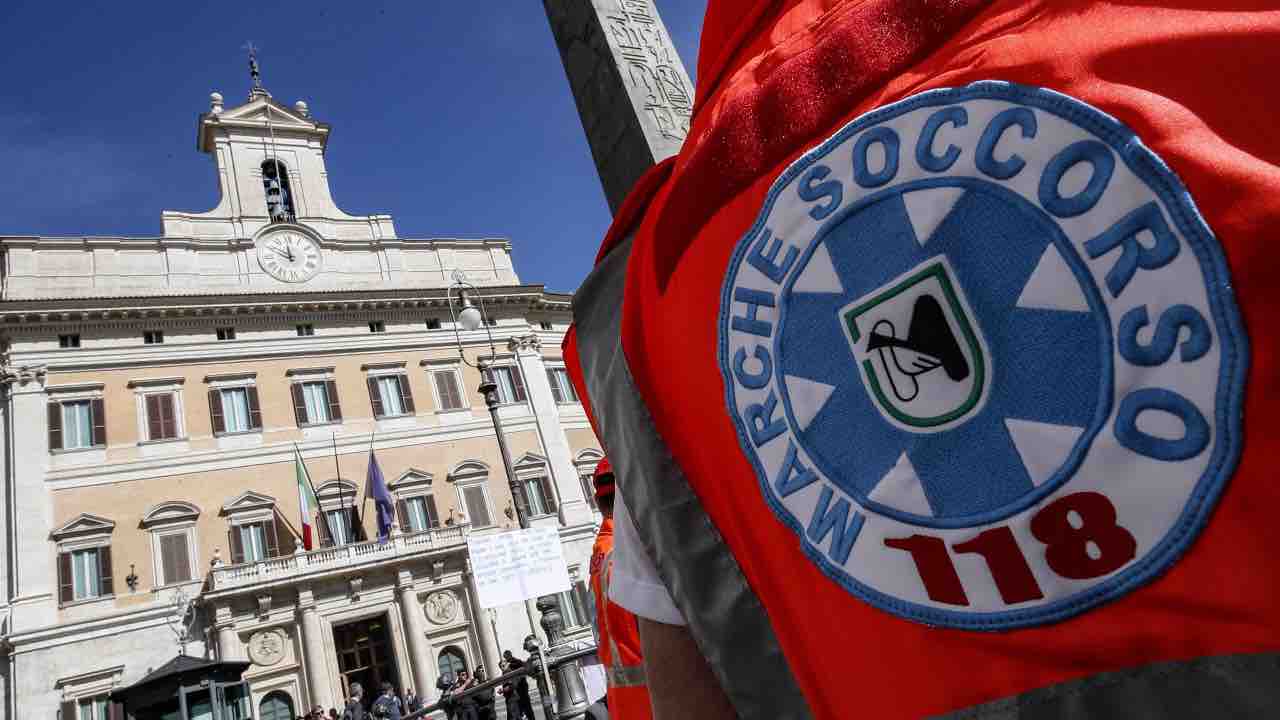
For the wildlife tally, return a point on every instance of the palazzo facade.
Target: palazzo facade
(156, 391)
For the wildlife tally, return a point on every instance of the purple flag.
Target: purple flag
(383, 504)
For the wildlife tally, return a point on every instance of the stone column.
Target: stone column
(633, 94)
(228, 643)
(313, 650)
(30, 556)
(479, 621)
(571, 505)
(415, 630)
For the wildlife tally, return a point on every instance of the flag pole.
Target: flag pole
(342, 498)
(324, 519)
(364, 505)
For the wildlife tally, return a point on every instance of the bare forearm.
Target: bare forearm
(681, 684)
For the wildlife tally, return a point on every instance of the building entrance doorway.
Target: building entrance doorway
(365, 656)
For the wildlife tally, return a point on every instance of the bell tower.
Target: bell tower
(270, 166)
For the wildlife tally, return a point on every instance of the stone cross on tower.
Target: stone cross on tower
(632, 91)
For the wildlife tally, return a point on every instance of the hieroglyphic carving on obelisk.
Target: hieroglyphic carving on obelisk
(632, 91)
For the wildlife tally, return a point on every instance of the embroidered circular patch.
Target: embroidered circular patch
(983, 354)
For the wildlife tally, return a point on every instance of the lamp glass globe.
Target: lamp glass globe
(470, 317)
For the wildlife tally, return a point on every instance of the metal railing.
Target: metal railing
(532, 670)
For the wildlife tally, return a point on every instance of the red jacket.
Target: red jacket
(1084, 324)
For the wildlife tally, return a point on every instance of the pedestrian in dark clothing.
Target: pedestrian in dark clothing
(445, 685)
(412, 702)
(387, 705)
(466, 704)
(354, 709)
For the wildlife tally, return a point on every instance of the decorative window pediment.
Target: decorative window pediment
(468, 470)
(530, 464)
(590, 456)
(166, 513)
(84, 525)
(412, 479)
(248, 502)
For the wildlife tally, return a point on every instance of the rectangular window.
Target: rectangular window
(69, 341)
(253, 541)
(390, 396)
(161, 421)
(153, 337)
(175, 559)
(510, 384)
(84, 574)
(420, 513)
(589, 490)
(305, 329)
(77, 425)
(539, 495)
(561, 387)
(226, 333)
(433, 323)
(316, 402)
(341, 531)
(94, 708)
(544, 325)
(377, 326)
(447, 388)
(491, 321)
(235, 409)
(574, 614)
(477, 506)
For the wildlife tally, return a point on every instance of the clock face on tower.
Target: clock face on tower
(289, 256)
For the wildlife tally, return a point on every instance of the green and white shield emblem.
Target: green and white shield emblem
(919, 349)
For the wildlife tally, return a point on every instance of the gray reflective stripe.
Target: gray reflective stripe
(619, 675)
(622, 676)
(725, 617)
(1226, 686)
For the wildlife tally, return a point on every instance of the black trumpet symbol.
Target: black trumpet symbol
(929, 344)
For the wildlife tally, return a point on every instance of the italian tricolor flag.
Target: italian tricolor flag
(306, 499)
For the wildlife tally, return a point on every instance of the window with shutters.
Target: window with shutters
(153, 337)
(341, 526)
(585, 463)
(225, 333)
(305, 330)
(77, 424)
(173, 541)
(535, 484)
(84, 559)
(254, 541)
(162, 418)
(377, 326)
(433, 323)
(235, 410)
(255, 530)
(390, 396)
(510, 384)
(69, 341)
(419, 513)
(339, 522)
(561, 387)
(571, 609)
(315, 402)
(448, 390)
(93, 708)
(476, 500)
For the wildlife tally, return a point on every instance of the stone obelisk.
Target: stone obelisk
(633, 93)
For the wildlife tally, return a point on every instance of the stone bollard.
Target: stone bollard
(571, 693)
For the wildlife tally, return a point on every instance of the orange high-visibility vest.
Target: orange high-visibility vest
(619, 638)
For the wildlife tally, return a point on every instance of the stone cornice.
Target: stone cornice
(92, 242)
(220, 308)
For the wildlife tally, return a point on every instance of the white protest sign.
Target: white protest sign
(513, 566)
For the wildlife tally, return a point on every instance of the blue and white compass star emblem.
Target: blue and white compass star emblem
(983, 354)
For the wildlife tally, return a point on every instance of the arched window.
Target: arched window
(277, 705)
(275, 182)
(452, 661)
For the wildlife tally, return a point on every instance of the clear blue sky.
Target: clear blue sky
(455, 117)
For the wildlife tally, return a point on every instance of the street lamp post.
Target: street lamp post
(471, 318)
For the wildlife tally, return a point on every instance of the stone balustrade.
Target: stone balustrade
(223, 577)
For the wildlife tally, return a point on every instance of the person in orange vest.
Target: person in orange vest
(617, 629)
(938, 368)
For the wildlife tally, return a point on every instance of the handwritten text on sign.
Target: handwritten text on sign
(513, 566)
